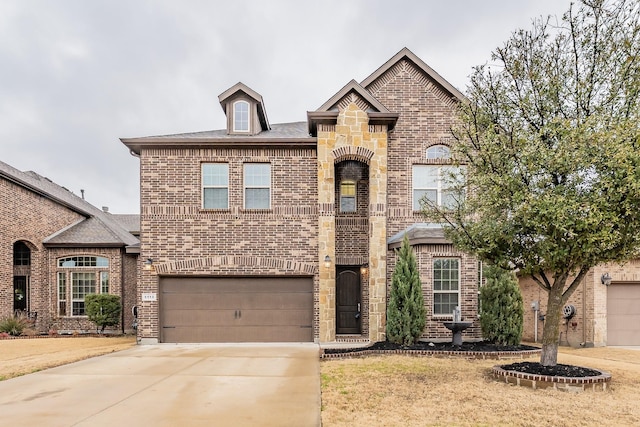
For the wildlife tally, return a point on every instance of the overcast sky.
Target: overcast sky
(77, 75)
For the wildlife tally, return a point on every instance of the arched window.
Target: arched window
(79, 276)
(21, 254)
(438, 152)
(241, 116)
(348, 196)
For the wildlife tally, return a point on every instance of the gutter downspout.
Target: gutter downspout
(122, 276)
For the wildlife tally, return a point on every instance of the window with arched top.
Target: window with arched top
(348, 196)
(438, 152)
(241, 116)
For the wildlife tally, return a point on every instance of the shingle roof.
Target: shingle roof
(97, 229)
(420, 234)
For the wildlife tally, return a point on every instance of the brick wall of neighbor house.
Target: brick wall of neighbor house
(27, 216)
(184, 239)
(426, 116)
(130, 264)
(68, 323)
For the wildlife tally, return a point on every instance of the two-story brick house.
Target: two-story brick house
(55, 248)
(286, 232)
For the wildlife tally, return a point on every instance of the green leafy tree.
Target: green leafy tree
(502, 314)
(550, 137)
(406, 313)
(103, 310)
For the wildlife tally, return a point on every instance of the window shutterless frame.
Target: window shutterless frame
(241, 116)
(446, 285)
(215, 185)
(257, 185)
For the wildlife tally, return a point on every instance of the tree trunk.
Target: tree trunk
(551, 333)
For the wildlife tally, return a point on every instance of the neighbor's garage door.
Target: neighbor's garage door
(623, 314)
(196, 310)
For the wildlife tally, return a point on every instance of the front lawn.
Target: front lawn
(424, 391)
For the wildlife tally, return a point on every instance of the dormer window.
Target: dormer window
(241, 116)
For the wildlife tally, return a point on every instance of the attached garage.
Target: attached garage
(245, 309)
(623, 314)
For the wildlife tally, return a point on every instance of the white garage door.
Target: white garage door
(623, 314)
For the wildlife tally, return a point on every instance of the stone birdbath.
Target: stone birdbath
(457, 326)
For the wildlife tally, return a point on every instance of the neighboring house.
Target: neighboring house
(286, 232)
(597, 314)
(55, 248)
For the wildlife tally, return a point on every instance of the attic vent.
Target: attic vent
(105, 209)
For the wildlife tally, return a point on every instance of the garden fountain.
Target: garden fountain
(457, 326)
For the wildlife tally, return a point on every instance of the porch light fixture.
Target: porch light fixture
(327, 261)
(148, 264)
(364, 269)
(606, 279)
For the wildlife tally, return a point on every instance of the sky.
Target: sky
(77, 75)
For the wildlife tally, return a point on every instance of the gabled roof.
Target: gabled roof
(410, 56)
(354, 87)
(97, 229)
(241, 87)
(328, 112)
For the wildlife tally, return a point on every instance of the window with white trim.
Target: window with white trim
(257, 185)
(215, 185)
(348, 196)
(241, 116)
(435, 183)
(79, 276)
(438, 152)
(446, 285)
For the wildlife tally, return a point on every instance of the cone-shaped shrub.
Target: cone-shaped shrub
(501, 308)
(405, 313)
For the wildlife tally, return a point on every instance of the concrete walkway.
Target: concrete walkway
(173, 385)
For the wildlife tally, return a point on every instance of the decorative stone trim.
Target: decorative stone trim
(350, 152)
(523, 379)
(484, 355)
(207, 264)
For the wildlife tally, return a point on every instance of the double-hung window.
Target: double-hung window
(436, 183)
(348, 196)
(215, 185)
(446, 285)
(257, 185)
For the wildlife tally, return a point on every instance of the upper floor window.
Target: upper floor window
(21, 254)
(83, 261)
(446, 285)
(438, 152)
(241, 116)
(257, 185)
(348, 196)
(435, 183)
(215, 185)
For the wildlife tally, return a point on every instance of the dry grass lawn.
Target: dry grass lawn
(424, 391)
(24, 356)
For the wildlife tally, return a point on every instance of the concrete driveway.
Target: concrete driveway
(173, 385)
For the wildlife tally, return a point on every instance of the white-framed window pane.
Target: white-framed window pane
(216, 198)
(62, 294)
(257, 185)
(446, 285)
(419, 194)
(425, 176)
(104, 282)
(82, 284)
(215, 185)
(241, 116)
(215, 174)
(438, 152)
(256, 198)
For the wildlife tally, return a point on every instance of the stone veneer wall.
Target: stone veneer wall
(352, 138)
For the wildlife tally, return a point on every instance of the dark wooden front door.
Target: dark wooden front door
(348, 300)
(20, 293)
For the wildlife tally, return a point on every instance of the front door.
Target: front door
(348, 300)
(20, 293)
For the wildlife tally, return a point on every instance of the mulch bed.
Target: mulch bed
(558, 370)
(430, 346)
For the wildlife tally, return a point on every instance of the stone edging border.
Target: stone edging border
(598, 382)
(491, 355)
